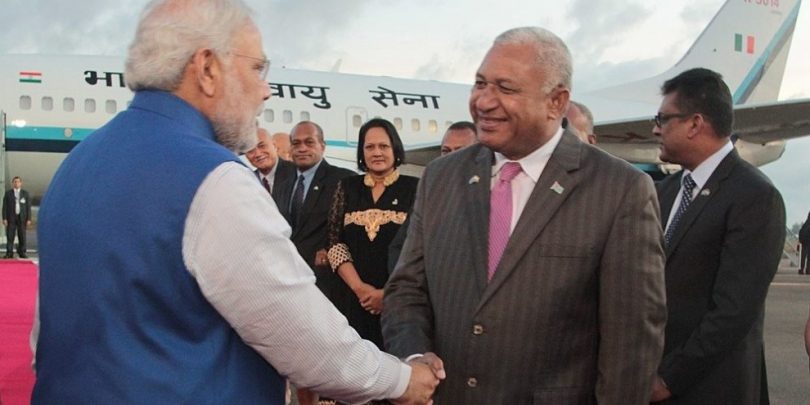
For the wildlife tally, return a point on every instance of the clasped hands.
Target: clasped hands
(426, 373)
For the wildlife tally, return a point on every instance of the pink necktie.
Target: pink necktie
(500, 214)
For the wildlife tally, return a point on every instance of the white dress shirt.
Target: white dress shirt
(251, 272)
(700, 176)
(523, 184)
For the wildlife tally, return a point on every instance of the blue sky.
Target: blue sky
(611, 42)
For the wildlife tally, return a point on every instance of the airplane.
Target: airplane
(50, 103)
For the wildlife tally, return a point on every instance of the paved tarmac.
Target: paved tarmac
(786, 311)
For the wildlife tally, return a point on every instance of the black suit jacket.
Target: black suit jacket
(25, 205)
(720, 262)
(285, 171)
(310, 233)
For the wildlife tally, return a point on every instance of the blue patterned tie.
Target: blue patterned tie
(686, 198)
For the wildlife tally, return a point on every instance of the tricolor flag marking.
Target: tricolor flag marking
(30, 77)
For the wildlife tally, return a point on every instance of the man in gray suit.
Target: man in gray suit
(546, 288)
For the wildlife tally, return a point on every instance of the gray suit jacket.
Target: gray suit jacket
(720, 262)
(575, 312)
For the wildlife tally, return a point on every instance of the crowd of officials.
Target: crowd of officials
(526, 266)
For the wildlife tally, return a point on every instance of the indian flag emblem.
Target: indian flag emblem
(30, 77)
(744, 43)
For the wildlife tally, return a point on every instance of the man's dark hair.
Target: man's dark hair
(463, 125)
(702, 91)
(396, 143)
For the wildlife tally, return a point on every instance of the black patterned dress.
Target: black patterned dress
(360, 231)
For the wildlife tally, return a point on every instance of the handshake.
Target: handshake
(426, 373)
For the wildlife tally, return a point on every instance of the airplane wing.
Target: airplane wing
(758, 125)
(754, 123)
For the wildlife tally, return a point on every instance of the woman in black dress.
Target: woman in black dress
(366, 213)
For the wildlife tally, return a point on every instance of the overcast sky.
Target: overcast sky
(612, 42)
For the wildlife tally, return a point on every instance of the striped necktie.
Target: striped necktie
(688, 187)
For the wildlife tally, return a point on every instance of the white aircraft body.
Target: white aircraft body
(50, 103)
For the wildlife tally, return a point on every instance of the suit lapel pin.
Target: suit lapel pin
(474, 179)
(395, 202)
(557, 188)
(315, 188)
(705, 192)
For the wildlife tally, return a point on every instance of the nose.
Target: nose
(484, 99)
(656, 130)
(265, 90)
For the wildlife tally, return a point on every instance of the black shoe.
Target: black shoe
(8, 256)
(23, 256)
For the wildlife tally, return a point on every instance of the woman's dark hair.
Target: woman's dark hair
(393, 136)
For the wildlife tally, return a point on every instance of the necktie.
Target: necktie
(500, 214)
(266, 185)
(686, 199)
(297, 200)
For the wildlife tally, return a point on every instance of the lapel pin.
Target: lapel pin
(705, 192)
(474, 179)
(395, 202)
(557, 188)
(315, 188)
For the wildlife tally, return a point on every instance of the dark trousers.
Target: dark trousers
(15, 226)
(803, 260)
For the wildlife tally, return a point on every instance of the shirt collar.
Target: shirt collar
(533, 163)
(705, 169)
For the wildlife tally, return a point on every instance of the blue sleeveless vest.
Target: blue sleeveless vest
(122, 320)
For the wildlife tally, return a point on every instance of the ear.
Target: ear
(207, 71)
(697, 125)
(558, 103)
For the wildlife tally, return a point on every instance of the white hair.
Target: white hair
(170, 31)
(552, 53)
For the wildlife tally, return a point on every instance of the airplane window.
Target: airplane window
(269, 115)
(357, 121)
(111, 106)
(68, 104)
(304, 115)
(47, 103)
(287, 116)
(398, 123)
(89, 105)
(415, 125)
(433, 126)
(25, 102)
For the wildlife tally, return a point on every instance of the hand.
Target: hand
(321, 259)
(660, 391)
(421, 386)
(434, 362)
(5, 222)
(372, 301)
(28, 223)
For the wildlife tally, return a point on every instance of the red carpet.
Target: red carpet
(18, 286)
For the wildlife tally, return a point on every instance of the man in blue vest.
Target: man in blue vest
(188, 289)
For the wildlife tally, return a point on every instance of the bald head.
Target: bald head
(282, 142)
(581, 120)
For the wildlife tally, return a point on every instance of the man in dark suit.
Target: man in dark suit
(16, 217)
(725, 231)
(571, 309)
(270, 169)
(804, 246)
(305, 199)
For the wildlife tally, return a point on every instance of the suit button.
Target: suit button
(478, 329)
(472, 382)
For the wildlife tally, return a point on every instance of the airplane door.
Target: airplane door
(355, 118)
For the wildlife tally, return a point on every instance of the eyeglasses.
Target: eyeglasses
(262, 69)
(660, 119)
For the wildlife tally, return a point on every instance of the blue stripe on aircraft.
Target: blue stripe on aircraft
(45, 133)
(756, 72)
